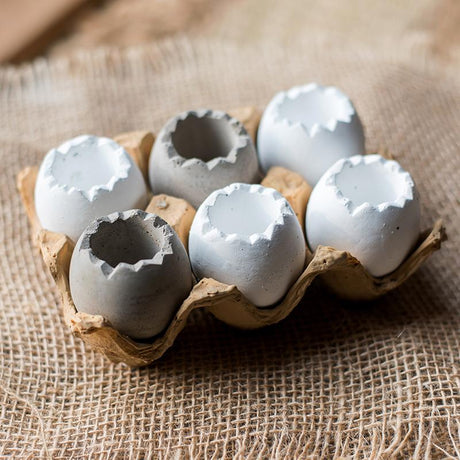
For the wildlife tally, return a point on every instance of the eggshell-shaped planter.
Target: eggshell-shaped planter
(132, 269)
(340, 270)
(249, 236)
(307, 129)
(369, 206)
(200, 151)
(85, 178)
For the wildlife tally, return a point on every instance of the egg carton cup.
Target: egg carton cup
(343, 273)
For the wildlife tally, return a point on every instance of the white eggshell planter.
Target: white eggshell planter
(200, 151)
(132, 269)
(307, 129)
(85, 178)
(249, 236)
(368, 206)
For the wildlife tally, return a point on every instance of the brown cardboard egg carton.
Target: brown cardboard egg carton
(340, 270)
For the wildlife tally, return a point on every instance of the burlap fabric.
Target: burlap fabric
(334, 379)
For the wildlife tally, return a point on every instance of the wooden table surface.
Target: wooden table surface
(30, 28)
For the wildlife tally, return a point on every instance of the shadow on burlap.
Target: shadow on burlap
(333, 379)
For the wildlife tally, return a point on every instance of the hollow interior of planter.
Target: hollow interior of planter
(86, 166)
(203, 137)
(317, 106)
(371, 183)
(243, 212)
(127, 241)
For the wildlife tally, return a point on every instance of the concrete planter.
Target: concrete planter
(369, 206)
(85, 178)
(132, 269)
(307, 129)
(200, 151)
(249, 236)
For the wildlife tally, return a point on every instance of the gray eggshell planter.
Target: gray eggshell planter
(132, 269)
(200, 151)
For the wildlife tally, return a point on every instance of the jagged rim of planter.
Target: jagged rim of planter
(223, 301)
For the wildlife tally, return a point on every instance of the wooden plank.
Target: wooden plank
(27, 25)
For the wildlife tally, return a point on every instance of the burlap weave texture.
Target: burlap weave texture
(369, 381)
